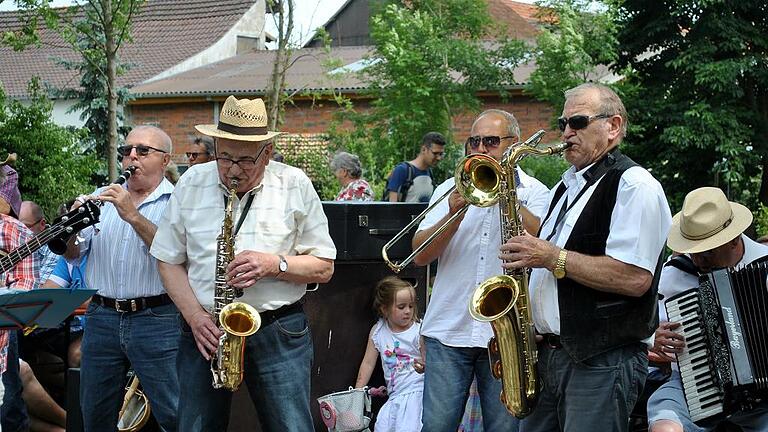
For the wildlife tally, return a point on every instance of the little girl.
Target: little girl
(395, 337)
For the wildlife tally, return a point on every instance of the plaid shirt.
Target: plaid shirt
(22, 277)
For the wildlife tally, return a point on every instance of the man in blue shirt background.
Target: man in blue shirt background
(412, 181)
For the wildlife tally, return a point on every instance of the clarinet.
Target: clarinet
(58, 244)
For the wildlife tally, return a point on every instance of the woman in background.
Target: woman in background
(348, 170)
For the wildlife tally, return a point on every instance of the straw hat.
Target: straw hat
(241, 120)
(708, 220)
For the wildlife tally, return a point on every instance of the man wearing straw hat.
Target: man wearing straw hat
(282, 244)
(708, 235)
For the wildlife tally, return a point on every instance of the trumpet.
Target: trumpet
(478, 178)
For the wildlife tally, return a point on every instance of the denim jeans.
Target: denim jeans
(597, 394)
(113, 341)
(448, 374)
(278, 361)
(14, 410)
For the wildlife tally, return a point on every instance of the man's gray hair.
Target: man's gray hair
(513, 127)
(349, 162)
(163, 138)
(610, 103)
(207, 142)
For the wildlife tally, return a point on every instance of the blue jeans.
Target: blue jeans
(597, 394)
(448, 374)
(278, 361)
(113, 341)
(14, 410)
(668, 403)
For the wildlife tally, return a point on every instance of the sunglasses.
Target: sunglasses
(195, 155)
(141, 150)
(579, 121)
(489, 142)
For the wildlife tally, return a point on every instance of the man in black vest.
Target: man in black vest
(592, 286)
(708, 235)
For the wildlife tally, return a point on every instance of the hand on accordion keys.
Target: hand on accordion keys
(666, 343)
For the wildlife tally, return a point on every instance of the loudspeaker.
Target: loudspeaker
(74, 416)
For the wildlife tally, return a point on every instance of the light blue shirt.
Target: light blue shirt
(119, 263)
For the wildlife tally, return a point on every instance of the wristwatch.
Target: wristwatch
(559, 270)
(283, 266)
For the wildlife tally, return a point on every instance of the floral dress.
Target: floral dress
(402, 411)
(357, 190)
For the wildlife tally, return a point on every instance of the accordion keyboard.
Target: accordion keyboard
(702, 393)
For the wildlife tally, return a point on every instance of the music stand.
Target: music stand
(44, 308)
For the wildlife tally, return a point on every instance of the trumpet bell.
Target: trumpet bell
(240, 319)
(494, 298)
(478, 178)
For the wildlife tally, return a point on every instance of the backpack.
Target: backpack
(402, 192)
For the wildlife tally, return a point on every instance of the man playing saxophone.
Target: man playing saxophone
(456, 344)
(280, 238)
(596, 261)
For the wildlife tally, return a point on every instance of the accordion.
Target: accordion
(725, 324)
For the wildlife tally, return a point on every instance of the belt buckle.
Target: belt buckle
(119, 309)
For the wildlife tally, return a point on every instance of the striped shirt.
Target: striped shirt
(23, 276)
(119, 263)
(286, 218)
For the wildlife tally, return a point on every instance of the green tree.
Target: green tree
(430, 59)
(105, 24)
(577, 44)
(91, 97)
(698, 93)
(52, 163)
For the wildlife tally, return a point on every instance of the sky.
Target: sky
(310, 14)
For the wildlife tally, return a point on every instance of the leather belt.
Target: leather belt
(552, 340)
(267, 317)
(132, 305)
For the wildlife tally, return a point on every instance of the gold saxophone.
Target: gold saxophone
(236, 319)
(503, 300)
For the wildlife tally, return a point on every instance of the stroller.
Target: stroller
(346, 411)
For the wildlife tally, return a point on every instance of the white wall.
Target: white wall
(250, 24)
(60, 116)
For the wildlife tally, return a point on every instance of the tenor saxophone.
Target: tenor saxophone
(503, 300)
(237, 320)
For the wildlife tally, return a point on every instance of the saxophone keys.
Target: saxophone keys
(497, 369)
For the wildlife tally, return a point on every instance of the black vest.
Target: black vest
(592, 321)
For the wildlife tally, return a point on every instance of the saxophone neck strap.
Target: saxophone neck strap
(247, 207)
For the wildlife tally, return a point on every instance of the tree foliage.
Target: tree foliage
(575, 45)
(105, 24)
(699, 93)
(430, 59)
(52, 164)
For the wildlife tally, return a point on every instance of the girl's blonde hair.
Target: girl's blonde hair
(386, 294)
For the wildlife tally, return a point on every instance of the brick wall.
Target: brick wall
(179, 119)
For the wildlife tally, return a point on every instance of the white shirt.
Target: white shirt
(674, 281)
(471, 257)
(639, 225)
(286, 218)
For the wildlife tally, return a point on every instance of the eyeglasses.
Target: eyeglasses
(245, 163)
(489, 142)
(141, 150)
(195, 155)
(579, 121)
(34, 223)
(438, 154)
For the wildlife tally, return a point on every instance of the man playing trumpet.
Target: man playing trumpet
(467, 252)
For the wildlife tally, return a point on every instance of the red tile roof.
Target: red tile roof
(165, 32)
(249, 74)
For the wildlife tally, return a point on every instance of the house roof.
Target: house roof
(165, 32)
(249, 74)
